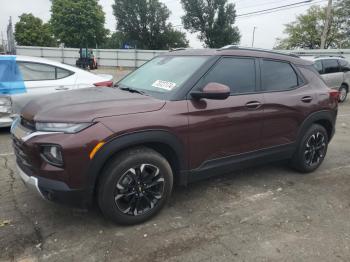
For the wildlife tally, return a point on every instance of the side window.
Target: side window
(318, 66)
(278, 76)
(62, 73)
(345, 66)
(35, 72)
(330, 66)
(237, 73)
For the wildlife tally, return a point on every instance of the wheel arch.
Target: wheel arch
(325, 118)
(164, 142)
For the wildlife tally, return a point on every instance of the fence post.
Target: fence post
(135, 58)
(62, 54)
(117, 58)
(41, 52)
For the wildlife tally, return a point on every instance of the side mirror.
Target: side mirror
(212, 91)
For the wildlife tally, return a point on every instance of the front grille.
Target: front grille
(21, 156)
(28, 124)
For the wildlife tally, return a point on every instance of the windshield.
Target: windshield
(163, 75)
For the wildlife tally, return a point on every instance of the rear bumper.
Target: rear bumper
(55, 191)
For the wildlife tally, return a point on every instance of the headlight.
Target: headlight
(52, 154)
(70, 128)
(5, 104)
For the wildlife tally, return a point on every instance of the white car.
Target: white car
(25, 78)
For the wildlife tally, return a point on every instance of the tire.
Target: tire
(343, 93)
(122, 198)
(311, 150)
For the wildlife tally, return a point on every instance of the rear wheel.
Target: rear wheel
(343, 93)
(312, 149)
(135, 186)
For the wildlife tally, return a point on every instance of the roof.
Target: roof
(238, 51)
(41, 60)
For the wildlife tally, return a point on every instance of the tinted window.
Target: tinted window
(278, 76)
(62, 73)
(330, 66)
(318, 66)
(35, 72)
(237, 73)
(345, 66)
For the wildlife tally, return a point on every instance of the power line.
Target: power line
(276, 10)
(259, 4)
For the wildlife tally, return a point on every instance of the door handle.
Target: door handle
(306, 99)
(62, 88)
(253, 105)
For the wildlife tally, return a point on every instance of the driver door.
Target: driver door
(225, 128)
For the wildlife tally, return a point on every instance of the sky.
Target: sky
(268, 26)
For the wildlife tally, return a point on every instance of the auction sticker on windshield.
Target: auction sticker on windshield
(164, 85)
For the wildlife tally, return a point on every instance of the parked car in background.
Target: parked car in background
(336, 73)
(25, 78)
(183, 116)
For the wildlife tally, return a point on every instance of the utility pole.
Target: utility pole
(253, 36)
(326, 25)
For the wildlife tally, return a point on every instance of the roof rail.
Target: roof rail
(339, 56)
(235, 47)
(177, 49)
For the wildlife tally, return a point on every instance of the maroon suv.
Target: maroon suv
(183, 116)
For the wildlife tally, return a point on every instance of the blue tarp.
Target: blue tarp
(11, 80)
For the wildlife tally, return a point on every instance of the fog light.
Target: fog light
(52, 154)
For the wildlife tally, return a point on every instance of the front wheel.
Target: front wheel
(311, 150)
(135, 186)
(343, 93)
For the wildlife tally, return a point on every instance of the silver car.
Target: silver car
(336, 73)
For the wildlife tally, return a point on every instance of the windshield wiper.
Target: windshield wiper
(131, 90)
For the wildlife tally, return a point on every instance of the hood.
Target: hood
(85, 105)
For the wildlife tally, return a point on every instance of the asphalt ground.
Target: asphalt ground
(265, 213)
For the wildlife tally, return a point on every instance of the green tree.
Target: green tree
(114, 41)
(144, 23)
(78, 23)
(213, 20)
(342, 8)
(175, 39)
(306, 31)
(31, 31)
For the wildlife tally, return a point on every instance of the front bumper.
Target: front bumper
(30, 181)
(69, 184)
(54, 190)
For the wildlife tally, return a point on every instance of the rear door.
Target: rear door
(221, 128)
(288, 100)
(332, 74)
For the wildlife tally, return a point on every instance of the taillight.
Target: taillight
(334, 94)
(105, 83)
